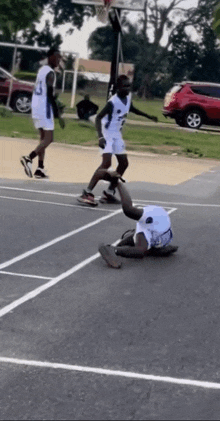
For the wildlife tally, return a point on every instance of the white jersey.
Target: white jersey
(114, 122)
(156, 226)
(41, 108)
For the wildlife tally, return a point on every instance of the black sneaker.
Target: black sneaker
(40, 174)
(87, 198)
(109, 198)
(27, 164)
(108, 254)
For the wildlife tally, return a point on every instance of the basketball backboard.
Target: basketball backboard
(137, 5)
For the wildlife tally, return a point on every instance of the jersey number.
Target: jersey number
(38, 89)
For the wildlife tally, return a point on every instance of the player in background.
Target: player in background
(109, 124)
(153, 231)
(44, 110)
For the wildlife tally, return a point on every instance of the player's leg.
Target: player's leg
(87, 196)
(136, 250)
(40, 172)
(122, 159)
(46, 135)
(121, 168)
(127, 239)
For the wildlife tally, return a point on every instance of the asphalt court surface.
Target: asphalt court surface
(80, 340)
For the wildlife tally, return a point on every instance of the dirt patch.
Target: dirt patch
(76, 164)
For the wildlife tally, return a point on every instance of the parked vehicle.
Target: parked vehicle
(192, 104)
(21, 92)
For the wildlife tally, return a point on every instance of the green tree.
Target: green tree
(64, 11)
(16, 15)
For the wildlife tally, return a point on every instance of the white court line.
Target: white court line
(46, 278)
(54, 281)
(177, 203)
(115, 373)
(54, 203)
(39, 290)
(30, 295)
(134, 200)
(56, 240)
(39, 191)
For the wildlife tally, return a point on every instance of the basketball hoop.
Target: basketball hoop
(103, 10)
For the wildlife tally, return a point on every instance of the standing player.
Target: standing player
(44, 109)
(153, 231)
(109, 123)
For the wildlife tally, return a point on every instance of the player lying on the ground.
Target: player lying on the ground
(109, 124)
(153, 231)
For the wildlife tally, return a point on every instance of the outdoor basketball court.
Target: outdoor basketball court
(80, 340)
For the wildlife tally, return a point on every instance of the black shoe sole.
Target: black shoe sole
(111, 259)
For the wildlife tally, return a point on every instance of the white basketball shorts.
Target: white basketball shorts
(44, 123)
(114, 144)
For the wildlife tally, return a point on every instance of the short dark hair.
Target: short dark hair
(121, 79)
(52, 51)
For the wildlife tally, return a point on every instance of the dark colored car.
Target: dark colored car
(21, 92)
(192, 104)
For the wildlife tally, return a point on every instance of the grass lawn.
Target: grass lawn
(138, 138)
(152, 107)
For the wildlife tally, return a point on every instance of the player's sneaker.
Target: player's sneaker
(40, 174)
(108, 197)
(87, 198)
(163, 251)
(108, 254)
(27, 164)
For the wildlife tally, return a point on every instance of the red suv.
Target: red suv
(21, 92)
(192, 104)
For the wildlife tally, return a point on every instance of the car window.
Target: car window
(212, 91)
(201, 90)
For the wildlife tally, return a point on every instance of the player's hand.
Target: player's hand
(62, 122)
(102, 142)
(155, 119)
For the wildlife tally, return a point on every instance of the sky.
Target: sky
(77, 42)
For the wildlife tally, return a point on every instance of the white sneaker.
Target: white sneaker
(27, 164)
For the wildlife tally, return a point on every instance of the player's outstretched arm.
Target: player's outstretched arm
(138, 112)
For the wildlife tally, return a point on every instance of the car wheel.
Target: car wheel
(193, 119)
(22, 103)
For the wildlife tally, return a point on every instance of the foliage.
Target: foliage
(16, 15)
(64, 11)
(157, 65)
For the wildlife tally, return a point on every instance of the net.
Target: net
(103, 10)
